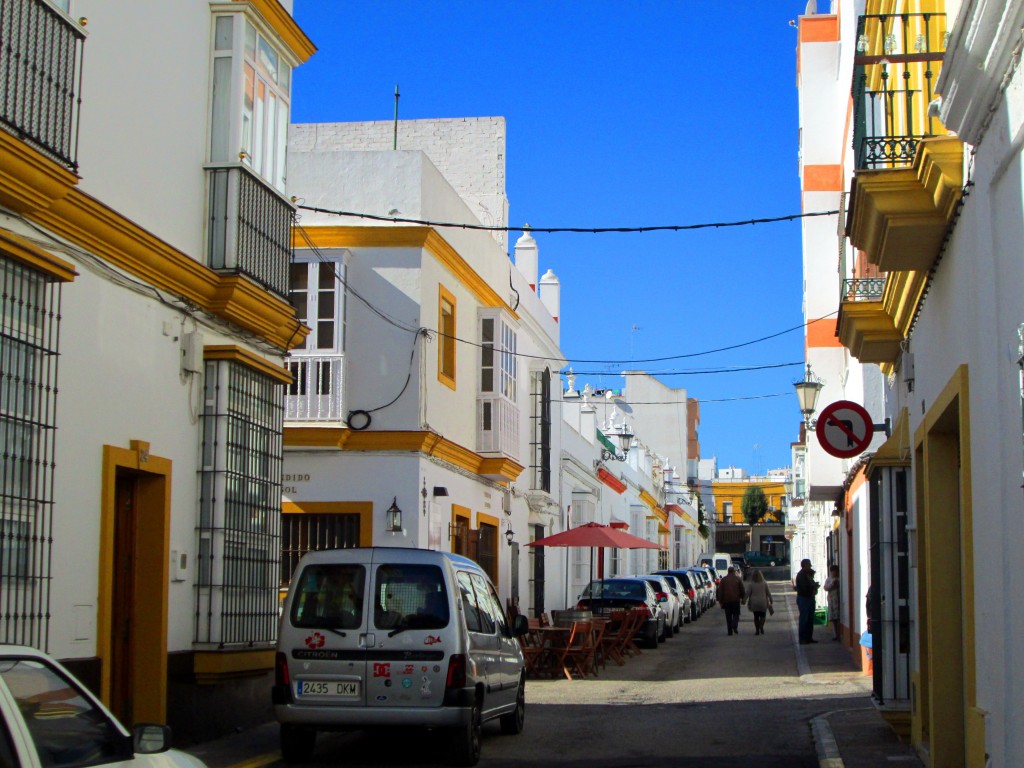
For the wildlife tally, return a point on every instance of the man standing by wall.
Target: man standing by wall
(730, 595)
(806, 590)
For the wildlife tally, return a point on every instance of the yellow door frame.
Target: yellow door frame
(149, 672)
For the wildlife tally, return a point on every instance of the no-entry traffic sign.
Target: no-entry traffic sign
(844, 429)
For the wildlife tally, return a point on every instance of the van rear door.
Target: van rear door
(326, 634)
(413, 631)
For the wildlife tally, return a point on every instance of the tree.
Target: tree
(755, 505)
(702, 526)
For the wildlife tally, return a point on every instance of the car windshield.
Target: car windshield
(66, 728)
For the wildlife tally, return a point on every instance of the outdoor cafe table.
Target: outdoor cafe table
(554, 640)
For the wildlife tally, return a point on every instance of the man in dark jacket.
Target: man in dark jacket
(806, 590)
(730, 596)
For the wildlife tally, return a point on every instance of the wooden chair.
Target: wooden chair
(636, 619)
(578, 650)
(534, 652)
(612, 639)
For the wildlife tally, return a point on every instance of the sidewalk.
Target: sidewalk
(848, 738)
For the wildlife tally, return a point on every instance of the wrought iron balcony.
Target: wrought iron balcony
(250, 227)
(863, 289)
(41, 77)
(316, 391)
(498, 425)
(898, 58)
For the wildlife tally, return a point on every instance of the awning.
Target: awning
(825, 493)
(677, 510)
(894, 452)
(603, 440)
(611, 480)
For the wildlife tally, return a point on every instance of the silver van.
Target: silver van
(384, 636)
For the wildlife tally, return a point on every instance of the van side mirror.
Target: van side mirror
(520, 625)
(151, 738)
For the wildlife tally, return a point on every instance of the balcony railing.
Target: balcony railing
(863, 289)
(250, 227)
(315, 393)
(41, 77)
(498, 420)
(898, 58)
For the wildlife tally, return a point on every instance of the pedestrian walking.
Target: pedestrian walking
(831, 586)
(759, 601)
(806, 590)
(730, 595)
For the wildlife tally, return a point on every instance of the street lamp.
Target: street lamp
(807, 391)
(393, 517)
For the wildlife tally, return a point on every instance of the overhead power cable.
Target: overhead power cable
(584, 230)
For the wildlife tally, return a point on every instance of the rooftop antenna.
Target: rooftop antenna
(397, 95)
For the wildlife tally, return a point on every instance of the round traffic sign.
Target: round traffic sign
(844, 429)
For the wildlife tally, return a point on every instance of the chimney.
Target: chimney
(526, 257)
(551, 293)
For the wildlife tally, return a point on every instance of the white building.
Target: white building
(144, 245)
(931, 296)
(426, 385)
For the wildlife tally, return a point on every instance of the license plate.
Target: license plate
(327, 688)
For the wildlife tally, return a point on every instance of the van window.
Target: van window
(721, 565)
(474, 622)
(490, 606)
(330, 595)
(410, 597)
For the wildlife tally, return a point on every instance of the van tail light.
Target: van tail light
(691, 593)
(281, 676)
(661, 596)
(456, 671)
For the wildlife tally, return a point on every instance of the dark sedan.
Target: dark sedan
(605, 595)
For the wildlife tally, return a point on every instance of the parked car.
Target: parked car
(603, 595)
(387, 636)
(51, 719)
(668, 601)
(682, 595)
(693, 592)
(762, 559)
(708, 582)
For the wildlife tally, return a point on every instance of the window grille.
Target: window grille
(250, 228)
(29, 336)
(302, 533)
(540, 439)
(240, 505)
(40, 77)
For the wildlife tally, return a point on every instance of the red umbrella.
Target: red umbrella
(595, 535)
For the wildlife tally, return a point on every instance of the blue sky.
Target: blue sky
(624, 114)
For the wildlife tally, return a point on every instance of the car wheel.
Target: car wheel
(669, 630)
(466, 740)
(651, 636)
(512, 723)
(297, 743)
(693, 614)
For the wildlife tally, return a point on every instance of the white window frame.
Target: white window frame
(242, 51)
(311, 315)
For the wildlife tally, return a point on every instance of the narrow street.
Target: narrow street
(701, 699)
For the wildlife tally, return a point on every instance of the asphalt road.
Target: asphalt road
(702, 698)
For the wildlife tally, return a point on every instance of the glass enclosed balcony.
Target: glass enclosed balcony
(40, 77)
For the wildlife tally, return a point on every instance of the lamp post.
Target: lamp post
(807, 391)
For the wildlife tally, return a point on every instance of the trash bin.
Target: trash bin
(821, 617)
